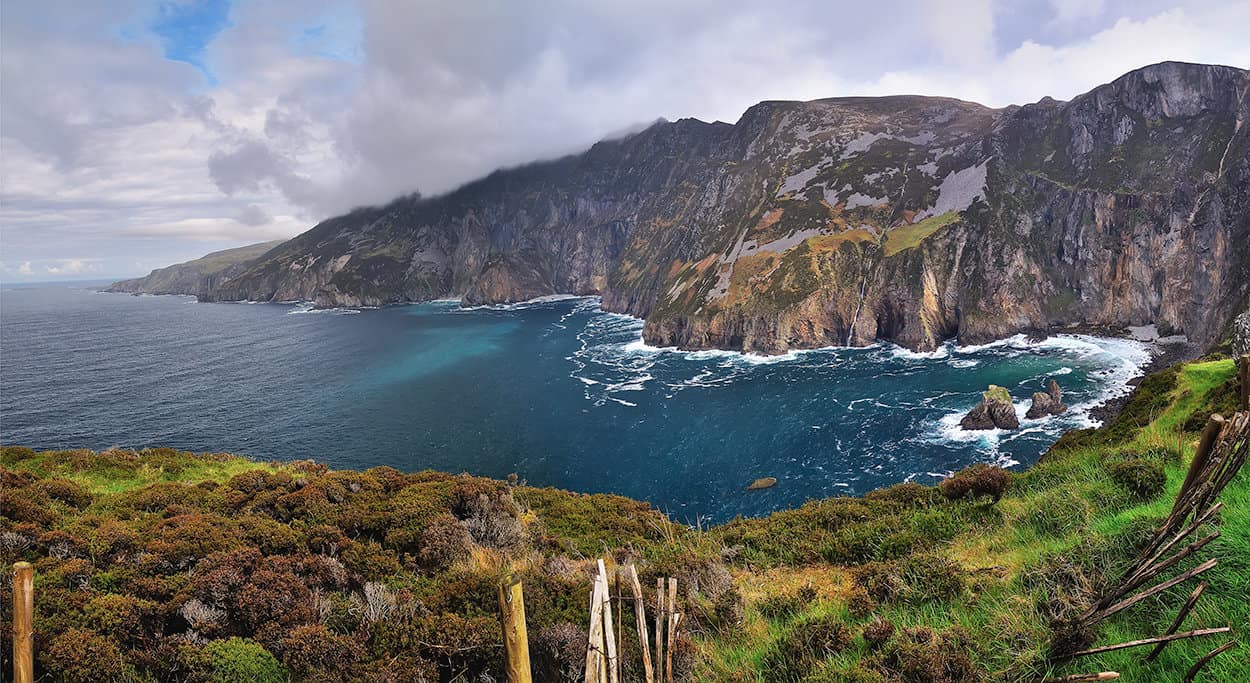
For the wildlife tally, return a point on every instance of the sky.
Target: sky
(139, 133)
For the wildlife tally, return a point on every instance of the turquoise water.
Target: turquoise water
(556, 391)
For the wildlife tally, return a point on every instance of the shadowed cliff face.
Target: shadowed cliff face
(840, 222)
(197, 276)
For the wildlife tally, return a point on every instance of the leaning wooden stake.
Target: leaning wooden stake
(609, 632)
(1202, 661)
(594, 647)
(1097, 676)
(1180, 618)
(672, 629)
(515, 639)
(1151, 641)
(660, 617)
(23, 623)
(640, 620)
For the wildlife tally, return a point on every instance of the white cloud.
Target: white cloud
(25, 269)
(72, 266)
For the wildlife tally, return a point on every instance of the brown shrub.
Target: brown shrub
(922, 655)
(65, 491)
(270, 596)
(798, 652)
(443, 543)
(559, 653)
(78, 655)
(370, 560)
(324, 539)
(313, 653)
(877, 632)
(976, 481)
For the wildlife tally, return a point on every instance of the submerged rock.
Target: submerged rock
(1048, 403)
(762, 483)
(995, 411)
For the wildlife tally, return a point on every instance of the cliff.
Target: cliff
(197, 276)
(840, 222)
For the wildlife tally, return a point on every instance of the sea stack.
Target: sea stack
(1048, 403)
(995, 411)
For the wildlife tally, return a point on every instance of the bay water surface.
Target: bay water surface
(556, 391)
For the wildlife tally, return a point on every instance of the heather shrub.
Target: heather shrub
(1143, 478)
(976, 481)
(908, 494)
(443, 543)
(313, 653)
(559, 653)
(65, 491)
(922, 655)
(931, 577)
(243, 659)
(119, 616)
(878, 632)
(370, 560)
(786, 605)
(78, 655)
(804, 646)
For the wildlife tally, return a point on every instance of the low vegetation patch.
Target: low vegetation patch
(158, 565)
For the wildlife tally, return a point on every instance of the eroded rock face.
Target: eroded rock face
(1046, 403)
(841, 222)
(995, 411)
(198, 276)
(1241, 335)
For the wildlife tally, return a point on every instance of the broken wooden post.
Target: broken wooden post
(1180, 617)
(660, 617)
(609, 632)
(515, 638)
(1151, 641)
(672, 629)
(1096, 676)
(1202, 661)
(1209, 435)
(23, 622)
(594, 646)
(620, 623)
(1244, 372)
(640, 620)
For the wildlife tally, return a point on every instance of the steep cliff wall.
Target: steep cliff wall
(196, 276)
(841, 221)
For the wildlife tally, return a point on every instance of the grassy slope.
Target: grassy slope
(1066, 503)
(1005, 547)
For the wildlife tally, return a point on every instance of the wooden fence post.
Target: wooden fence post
(660, 616)
(515, 637)
(672, 629)
(640, 619)
(609, 632)
(1244, 371)
(594, 647)
(23, 623)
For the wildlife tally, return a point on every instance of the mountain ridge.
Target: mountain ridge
(839, 221)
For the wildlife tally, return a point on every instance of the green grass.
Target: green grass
(1067, 500)
(908, 236)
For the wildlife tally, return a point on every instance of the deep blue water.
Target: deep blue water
(558, 392)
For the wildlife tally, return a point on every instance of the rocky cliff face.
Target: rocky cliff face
(198, 276)
(841, 222)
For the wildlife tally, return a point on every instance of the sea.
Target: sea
(554, 390)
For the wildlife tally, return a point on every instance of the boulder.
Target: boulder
(995, 411)
(1048, 403)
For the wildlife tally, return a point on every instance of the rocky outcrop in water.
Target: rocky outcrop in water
(1049, 402)
(995, 411)
(198, 276)
(841, 222)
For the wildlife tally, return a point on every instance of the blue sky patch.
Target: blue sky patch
(186, 29)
